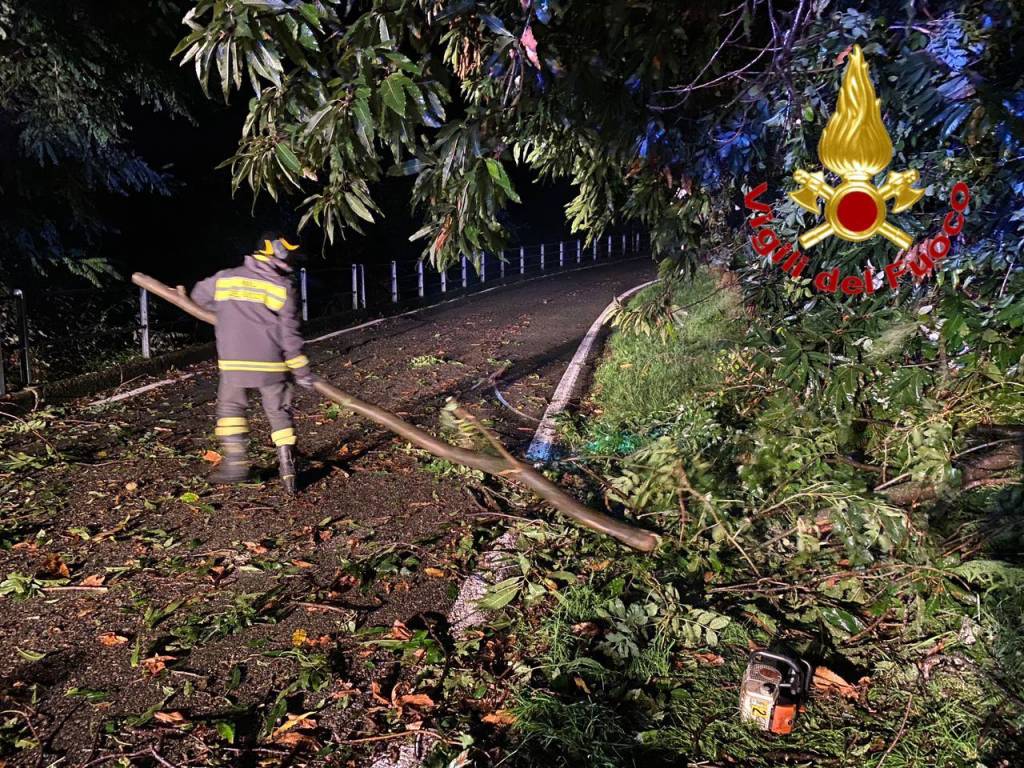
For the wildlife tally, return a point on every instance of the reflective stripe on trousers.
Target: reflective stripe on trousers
(232, 403)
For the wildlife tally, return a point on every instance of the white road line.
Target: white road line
(370, 324)
(543, 444)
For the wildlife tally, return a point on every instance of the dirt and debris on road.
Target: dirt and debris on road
(148, 614)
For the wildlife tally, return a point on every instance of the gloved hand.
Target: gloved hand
(305, 380)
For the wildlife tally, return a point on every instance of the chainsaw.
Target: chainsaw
(774, 687)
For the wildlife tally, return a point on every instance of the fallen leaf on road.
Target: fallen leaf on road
(212, 456)
(298, 638)
(53, 565)
(586, 629)
(435, 572)
(297, 722)
(170, 718)
(399, 631)
(96, 580)
(156, 664)
(500, 717)
(711, 659)
(110, 640)
(295, 739)
(826, 681)
(415, 699)
(375, 692)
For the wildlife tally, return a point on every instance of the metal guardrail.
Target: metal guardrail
(330, 292)
(17, 298)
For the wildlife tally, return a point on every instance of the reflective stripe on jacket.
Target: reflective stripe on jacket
(258, 339)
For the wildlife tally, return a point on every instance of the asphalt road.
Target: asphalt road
(116, 497)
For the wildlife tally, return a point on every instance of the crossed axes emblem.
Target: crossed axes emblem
(855, 210)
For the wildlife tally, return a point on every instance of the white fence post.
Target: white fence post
(303, 294)
(444, 281)
(143, 322)
(623, 245)
(483, 268)
(501, 262)
(595, 250)
(394, 282)
(522, 260)
(561, 254)
(464, 284)
(609, 254)
(542, 257)
(579, 252)
(355, 287)
(362, 284)
(419, 278)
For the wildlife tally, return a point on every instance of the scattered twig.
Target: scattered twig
(389, 736)
(983, 481)
(115, 756)
(159, 759)
(321, 607)
(894, 481)
(899, 733)
(31, 726)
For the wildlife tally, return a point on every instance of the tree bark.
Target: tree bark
(505, 466)
(998, 459)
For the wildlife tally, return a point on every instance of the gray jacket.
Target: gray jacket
(258, 339)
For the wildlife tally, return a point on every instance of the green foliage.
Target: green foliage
(643, 387)
(771, 538)
(345, 92)
(69, 75)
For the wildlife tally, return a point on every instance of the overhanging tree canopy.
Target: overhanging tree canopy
(665, 114)
(69, 74)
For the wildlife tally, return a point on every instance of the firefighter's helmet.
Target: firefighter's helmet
(274, 249)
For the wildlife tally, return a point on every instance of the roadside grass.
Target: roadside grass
(644, 377)
(911, 620)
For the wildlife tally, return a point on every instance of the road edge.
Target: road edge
(465, 613)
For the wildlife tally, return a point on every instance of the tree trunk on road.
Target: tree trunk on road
(504, 465)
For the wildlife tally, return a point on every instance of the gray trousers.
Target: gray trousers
(233, 401)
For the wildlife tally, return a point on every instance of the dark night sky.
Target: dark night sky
(200, 228)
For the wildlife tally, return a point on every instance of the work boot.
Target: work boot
(234, 462)
(286, 466)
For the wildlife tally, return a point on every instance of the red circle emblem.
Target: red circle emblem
(857, 211)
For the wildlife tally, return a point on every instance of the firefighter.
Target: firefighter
(258, 347)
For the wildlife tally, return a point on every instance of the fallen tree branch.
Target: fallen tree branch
(505, 466)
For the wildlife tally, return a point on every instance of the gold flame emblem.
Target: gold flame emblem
(856, 147)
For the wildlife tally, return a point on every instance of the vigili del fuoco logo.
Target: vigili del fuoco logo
(856, 147)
